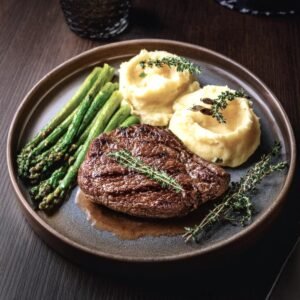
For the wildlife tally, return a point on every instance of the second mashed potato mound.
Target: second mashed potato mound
(229, 144)
(151, 92)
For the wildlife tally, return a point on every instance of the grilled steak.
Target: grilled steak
(108, 183)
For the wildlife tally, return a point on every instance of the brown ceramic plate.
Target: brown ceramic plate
(71, 234)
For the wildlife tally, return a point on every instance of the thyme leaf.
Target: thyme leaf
(126, 159)
(236, 206)
(143, 74)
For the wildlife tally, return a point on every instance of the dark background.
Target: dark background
(34, 39)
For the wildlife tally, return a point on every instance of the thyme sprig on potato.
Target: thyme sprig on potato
(180, 63)
(218, 104)
(236, 206)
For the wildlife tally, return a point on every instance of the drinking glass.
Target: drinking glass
(96, 19)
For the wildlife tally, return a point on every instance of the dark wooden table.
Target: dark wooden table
(34, 39)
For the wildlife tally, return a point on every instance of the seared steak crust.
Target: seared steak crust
(108, 183)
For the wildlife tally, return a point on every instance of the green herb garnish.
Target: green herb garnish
(218, 104)
(126, 159)
(236, 206)
(180, 63)
(143, 75)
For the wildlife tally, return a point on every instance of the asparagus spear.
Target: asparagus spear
(54, 136)
(131, 120)
(65, 111)
(106, 75)
(121, 114)
(28, 154)
(25, 161)
(108, 88)
(99, 101)
(37, 172)
(82, 137)
(45, 187)
(54, 199)
(38, 192)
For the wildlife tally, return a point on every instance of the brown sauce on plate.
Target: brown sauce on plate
(130, 228)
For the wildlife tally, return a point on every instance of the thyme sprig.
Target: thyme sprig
(218, 104)
(126, 159)
(180, 63)
(236, 206)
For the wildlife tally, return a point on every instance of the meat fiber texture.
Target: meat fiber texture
(103, 180)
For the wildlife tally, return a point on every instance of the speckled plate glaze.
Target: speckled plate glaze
(70, 233)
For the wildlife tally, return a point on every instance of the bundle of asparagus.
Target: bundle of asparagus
(50, 161)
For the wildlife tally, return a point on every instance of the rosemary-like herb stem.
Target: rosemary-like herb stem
(219, 104)
(126, 159)
(236, 206)
(180, 63)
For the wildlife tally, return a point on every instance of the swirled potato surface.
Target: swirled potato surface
(152, 91)
(229, 144)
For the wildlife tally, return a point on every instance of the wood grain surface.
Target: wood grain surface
(34, 39)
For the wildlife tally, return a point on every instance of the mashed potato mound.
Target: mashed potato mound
(229, 144)
(151, 92)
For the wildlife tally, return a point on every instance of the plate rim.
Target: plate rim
(35, 220)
